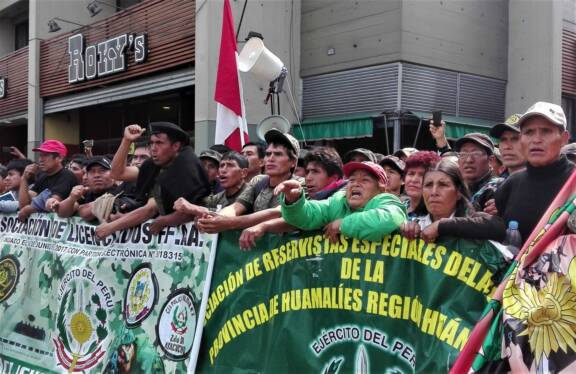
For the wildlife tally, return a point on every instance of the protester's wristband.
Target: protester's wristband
(444, 149)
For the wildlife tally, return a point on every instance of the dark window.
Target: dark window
(21, 35)
(123, 4)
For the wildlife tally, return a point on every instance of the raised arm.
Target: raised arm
(120, 171)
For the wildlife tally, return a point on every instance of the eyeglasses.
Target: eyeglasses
(474, 155)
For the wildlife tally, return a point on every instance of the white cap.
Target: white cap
(552, 112)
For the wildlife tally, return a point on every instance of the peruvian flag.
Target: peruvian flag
(231, 128)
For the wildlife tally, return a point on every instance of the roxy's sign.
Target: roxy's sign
(105, 58)
(2, 88)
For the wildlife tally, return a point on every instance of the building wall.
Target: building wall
(461, 35)
(279, 23)
(535, 53)
(360, 33)
(63, 126)
(465, 36)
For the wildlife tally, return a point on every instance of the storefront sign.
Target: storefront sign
(2, 88)
(105, 58)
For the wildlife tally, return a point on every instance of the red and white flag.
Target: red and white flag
(231, 128)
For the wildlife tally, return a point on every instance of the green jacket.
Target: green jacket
(383, 214)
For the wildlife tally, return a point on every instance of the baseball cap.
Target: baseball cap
(363, 151)
(99, 160)
(170, 129)
(212, 155)
(511, 124)
(406, 152)
(482, 140)
(52, 146)
(552, 112)
(374, 169)
(277, 136)
(395, 162)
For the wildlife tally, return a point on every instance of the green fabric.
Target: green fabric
(340, 127)
(456, 126)
(383, 214)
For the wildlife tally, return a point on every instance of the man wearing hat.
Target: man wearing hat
(173, 171)
(99, 182)
(525, 195)
(508, 135)
(359, 155)
(211, 162)
(363, 211)
(53, 184)
(394, 169)
(475, 154)
(257, 203)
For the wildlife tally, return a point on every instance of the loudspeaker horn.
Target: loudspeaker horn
(258, 60)
(279, 123)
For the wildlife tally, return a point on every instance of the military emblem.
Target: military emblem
(9, 275)
(141, 295)
(81, 326)
(177, 325)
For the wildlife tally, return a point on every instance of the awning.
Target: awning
(456, 126)
(339, 127)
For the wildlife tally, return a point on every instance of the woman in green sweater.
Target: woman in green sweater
(362, 211)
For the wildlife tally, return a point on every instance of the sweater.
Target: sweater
(525, 196)
(381, 215)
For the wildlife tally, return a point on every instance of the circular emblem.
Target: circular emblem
(9, 275)
(141, 295)
(177, 325)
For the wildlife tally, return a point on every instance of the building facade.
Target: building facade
(89, 71)
(371, 72)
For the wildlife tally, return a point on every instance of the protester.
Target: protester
(475, 154)
(508, 135)
(323, 179)
(404, 153)
(211, 162)
(76, 166)
(257, 203)
(141, 154)
(394, 169)
(445, 197)
(255, 153)
(173, 171)
(414, 170)
(324, 173)
(360, 155)
(81, 198)
(300, 170)
(525, 195)
(496, 164)
(232, 173)
(363, 211)
(53, 184)
(14, 171)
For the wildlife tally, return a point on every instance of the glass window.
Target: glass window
(21, 35)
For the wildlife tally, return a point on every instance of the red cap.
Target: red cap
(374, 169)
(52, 146)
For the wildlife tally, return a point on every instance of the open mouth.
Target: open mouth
(356, 194)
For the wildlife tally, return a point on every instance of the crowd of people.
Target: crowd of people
(471, 189)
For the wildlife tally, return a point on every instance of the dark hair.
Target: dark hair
(78, 158)
(424, 159)
(3, 171)
(260, 148)
(18, 165)
(328, 158)
(238, 157)
(451, 169)
(221, 148)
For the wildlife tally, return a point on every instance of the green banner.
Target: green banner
(69, 302)
(300, 304)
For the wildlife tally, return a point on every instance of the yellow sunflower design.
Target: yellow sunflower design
(548, 314)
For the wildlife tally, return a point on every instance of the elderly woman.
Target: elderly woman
(445, 210)
(414, 170)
